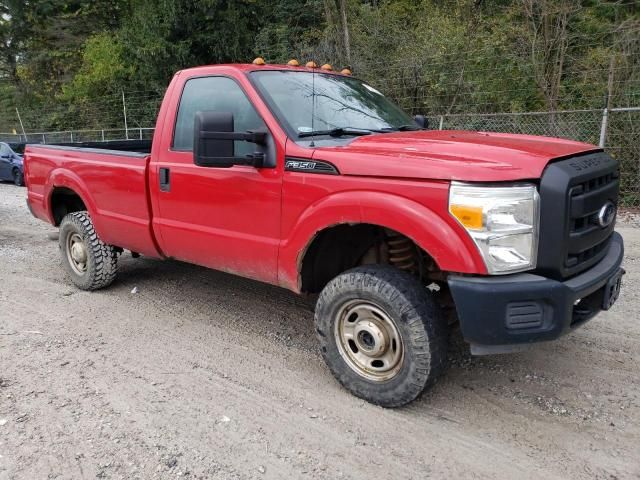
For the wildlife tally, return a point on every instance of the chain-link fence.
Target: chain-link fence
(616, 130)
(78, 136)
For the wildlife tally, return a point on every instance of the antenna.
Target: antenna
(313, 102)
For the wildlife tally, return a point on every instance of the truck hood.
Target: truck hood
(449, 155)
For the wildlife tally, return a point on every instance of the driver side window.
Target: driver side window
(220, 94)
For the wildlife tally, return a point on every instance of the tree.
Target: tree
(336, 18)
(548, 38)
(58, 57)
(15, 29)
(162, 36)
(291, 29)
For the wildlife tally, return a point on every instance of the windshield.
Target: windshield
(342, 104)
(17, 147)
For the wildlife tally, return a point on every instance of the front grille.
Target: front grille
(572, 193)
(586, 255)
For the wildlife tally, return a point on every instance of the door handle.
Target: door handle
(165, 181)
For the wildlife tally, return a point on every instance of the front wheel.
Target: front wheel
(18, 178)
(381, 333)
(91, 263)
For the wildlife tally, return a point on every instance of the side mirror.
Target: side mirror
(421, 121)
(214, 137)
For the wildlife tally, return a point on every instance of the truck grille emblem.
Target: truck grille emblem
(606, 215)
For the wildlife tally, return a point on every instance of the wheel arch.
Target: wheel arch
(66, 193)
(442, 239)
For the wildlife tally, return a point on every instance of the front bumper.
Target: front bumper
(506, 313)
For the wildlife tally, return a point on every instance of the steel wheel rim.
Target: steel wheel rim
(77, 253)
(369, 341)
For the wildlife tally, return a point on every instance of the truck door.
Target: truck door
(223, 218)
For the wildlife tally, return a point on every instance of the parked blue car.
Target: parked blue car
(11, 163)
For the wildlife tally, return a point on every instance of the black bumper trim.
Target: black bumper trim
(484, 304)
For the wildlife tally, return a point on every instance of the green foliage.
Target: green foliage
(67, 62)
(103, 68)
(163, 36)
(291, 30)
(57, 30)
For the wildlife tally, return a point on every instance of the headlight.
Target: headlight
(502, 221)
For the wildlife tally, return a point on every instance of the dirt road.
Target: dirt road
(204, 375)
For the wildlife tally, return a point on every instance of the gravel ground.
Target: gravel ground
(203, 375)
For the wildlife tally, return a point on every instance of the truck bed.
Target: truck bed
(123, 146)
(112, 185)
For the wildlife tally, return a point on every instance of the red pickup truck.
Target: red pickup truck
(312, 180)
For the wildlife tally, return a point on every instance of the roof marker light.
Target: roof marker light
(293, 63)
(345, 71)
(326, 66)
(258, 61)
(311, 64)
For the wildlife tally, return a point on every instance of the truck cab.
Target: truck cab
(313, 180)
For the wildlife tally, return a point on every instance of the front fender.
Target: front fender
(433, 230)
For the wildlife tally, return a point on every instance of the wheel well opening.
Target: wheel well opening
(64, 201)
(342, 247)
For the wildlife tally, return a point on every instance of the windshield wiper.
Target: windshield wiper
(336, 132)
(401, 128)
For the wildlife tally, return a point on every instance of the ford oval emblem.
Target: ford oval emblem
(606, 215)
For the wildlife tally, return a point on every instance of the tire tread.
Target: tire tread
(426, 326)
(105, 257)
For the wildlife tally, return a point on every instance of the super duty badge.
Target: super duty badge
(589, 162)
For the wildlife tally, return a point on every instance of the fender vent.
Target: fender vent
(521, 315)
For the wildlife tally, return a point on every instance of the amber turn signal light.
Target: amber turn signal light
(470, 217)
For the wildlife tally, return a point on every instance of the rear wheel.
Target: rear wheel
(18, 178)
(381, 334)
(90, 262)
